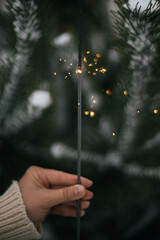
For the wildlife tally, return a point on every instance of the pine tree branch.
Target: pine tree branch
(61, 151)
(27, 32)
(142, 50)
(18, 120)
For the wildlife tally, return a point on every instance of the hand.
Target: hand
(46, 191)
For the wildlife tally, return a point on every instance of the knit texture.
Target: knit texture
(14, 222)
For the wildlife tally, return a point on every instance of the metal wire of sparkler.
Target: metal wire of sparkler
(79, 113)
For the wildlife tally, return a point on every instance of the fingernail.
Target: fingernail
(79, 190)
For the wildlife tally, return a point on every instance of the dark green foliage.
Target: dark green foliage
(125, 167)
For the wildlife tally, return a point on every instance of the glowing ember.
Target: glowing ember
(89, 71)
(79, 71)
(92, 114)
(94, 73)
(95, 60)
(103, 70)
(108, 92)
(54, 73)
(96, 69)
(98, 55)
(60, 59)
(155, 111)
(88, 52)
(94, 101)
(125, 93)
(90, 65)
(86, 113)
(85, 59)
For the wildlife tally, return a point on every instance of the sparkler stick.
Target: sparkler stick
(79, 71)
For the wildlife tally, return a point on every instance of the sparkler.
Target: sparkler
(79, 71)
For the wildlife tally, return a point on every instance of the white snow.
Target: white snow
(62, 39)
(142, 3)
(40, 99)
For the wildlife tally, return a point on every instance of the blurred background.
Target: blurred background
(121, 108)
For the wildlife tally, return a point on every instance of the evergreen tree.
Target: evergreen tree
(121, 136)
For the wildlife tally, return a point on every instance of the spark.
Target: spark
(94, 101)
(155, 111)
(88, 52)
(85, 59)
(65, 60)
(94, 73)
(114, 134)
(90, 65)
(89, 71)
(79, 70)
(125, 93)
(70, 64)
(79, 104)
(103, 70)
(60, 59)
(54, 73)
(86, 113)
(96, 69)
(95, 60)
(98, 55)
(108, 92)
(92, 114)
(138, 111)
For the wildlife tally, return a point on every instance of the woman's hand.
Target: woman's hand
(46, 191)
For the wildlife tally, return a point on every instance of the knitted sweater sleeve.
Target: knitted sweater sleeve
(14, 222)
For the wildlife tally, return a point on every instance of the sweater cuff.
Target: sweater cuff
(14, 222)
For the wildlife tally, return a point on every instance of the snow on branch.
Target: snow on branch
(21, 117)
(61, 151)
(142, 50)
(27, 32)
(6, 58)
(153, 142)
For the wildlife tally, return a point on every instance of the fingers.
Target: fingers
(89, 195)
(55, 177)
(67, 194)
(84, 204)
(66, 211)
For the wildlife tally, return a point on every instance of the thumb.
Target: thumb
(67, 194)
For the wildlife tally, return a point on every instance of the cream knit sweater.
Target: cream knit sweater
(14, 223)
